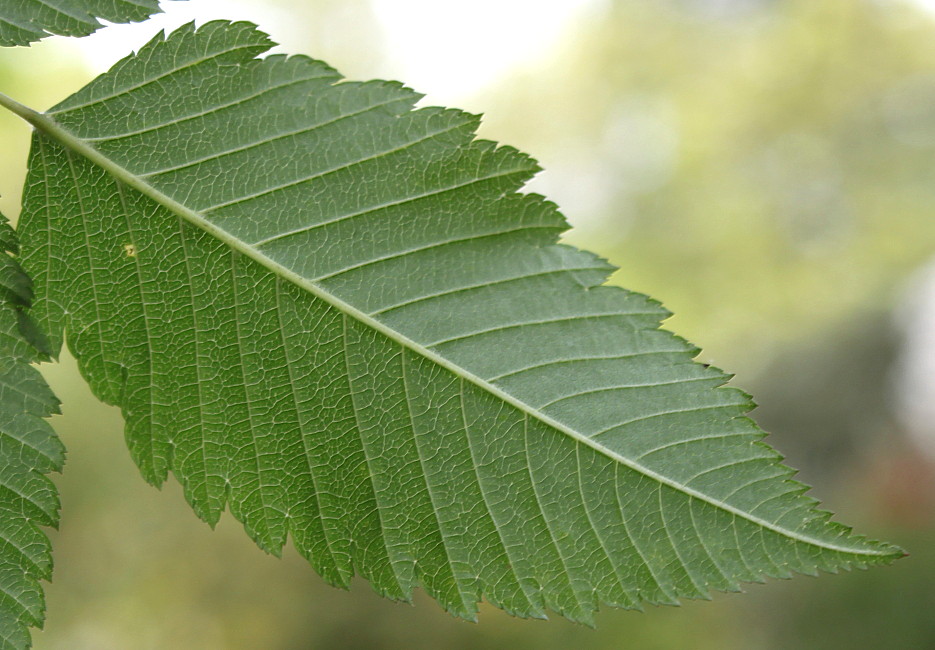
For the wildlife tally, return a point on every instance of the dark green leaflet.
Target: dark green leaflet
(25, 21)
(29, 449)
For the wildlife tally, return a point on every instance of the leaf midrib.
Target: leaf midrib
(50, 127)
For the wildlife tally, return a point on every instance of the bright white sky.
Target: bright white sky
(523, 31)
(449, 50)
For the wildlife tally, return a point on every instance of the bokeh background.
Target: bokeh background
(766, 168)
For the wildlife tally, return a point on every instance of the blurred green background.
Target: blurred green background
(766, 168)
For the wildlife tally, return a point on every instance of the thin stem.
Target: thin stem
(33, 117)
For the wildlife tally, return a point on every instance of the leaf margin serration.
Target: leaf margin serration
(49, 126)
(34, 20)
(29, 451)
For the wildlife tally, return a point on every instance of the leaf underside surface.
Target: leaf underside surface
(335, 315)
(25, 21)
(29, 449)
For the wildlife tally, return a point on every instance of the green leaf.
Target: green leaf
(25, 21)
(29, 449)
(335, 315)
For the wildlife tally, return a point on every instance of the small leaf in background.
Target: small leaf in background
(25, 21)
(29, 450)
